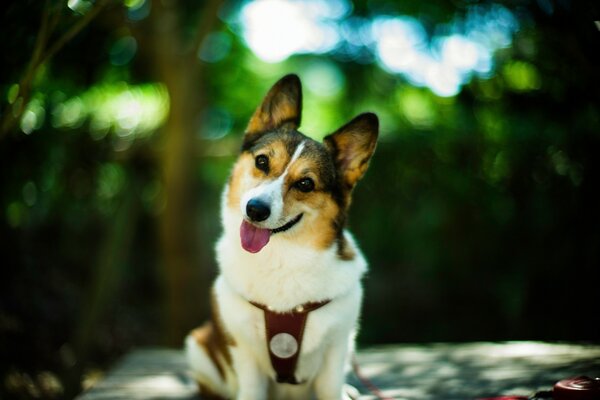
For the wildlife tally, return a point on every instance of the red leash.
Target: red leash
(367, 382)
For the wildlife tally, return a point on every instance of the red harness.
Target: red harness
(284, 337)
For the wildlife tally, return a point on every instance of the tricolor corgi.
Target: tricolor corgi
(287, 300)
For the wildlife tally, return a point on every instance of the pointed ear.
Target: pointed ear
(281, 106)
(352, 147)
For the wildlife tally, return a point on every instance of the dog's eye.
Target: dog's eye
(262, 163)
(305, 185)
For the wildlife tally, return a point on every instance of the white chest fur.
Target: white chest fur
(282, 276)
(285, 274)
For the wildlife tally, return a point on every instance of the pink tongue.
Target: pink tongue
(253, 238)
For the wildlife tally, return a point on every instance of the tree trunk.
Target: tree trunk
(186, 282)
(178, 233)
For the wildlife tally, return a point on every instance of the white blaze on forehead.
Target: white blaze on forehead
(295, 157)
(272, 193)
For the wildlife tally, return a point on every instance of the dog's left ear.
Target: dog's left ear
(352, 147)
(281, 106)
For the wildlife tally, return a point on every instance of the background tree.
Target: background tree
(120, 121)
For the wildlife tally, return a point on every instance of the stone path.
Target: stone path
(412, 372)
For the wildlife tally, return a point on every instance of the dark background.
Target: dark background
(120, 120)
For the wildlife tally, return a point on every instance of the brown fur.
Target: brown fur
(281, 106)
(352, 147)
(215, 340)
(335, 166)
(331, 195)
(206, 337)
(344, 251)
(320, 231)
(278, 159)
(207, 394)
(237, 178)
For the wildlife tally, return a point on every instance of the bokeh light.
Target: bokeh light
(276, 29)
(443, 62)
(128, 111)
(479, 200)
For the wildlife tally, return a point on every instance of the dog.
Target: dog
(286, 302)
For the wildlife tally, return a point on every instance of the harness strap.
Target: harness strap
(284, 337)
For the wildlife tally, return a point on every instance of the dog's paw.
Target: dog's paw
(350, 392)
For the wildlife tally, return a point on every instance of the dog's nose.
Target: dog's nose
(257, 210)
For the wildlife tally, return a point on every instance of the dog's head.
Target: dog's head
(291, 186)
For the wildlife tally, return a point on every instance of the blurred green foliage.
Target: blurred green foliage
(479, 214)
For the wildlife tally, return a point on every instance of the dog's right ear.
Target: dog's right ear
(281, 106)
(352, 147)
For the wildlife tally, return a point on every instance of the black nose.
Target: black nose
(257, 210)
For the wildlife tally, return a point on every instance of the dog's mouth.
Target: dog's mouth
(287, 226)
(255, 238)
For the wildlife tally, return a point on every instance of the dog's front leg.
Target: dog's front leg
(330, 380)
(252, 383)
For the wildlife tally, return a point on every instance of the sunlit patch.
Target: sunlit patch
(33, 116)
(69, 114)
(463, 54)
(442, 80)
(133, 3)
(129, 111)
(276, 29)
(417, 107)
(469, 370)
(323, 78)
(80, 6)
(401, 45)
(521, 76)
(12, 93)
(445, 63)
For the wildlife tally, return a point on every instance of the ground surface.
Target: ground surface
(434, 371)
